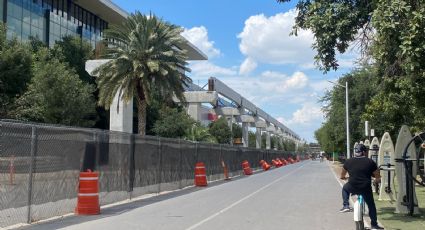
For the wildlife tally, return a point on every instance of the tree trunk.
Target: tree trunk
(141, 116)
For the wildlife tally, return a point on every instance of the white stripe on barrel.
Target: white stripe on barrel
(89, 178)
(88, 194)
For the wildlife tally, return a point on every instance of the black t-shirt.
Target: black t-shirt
(360, 170)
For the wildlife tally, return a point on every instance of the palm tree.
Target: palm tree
(145, 57)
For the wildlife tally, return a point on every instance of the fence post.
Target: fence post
(159, 165)
(131, 165)
(180, 165)
(32, 166)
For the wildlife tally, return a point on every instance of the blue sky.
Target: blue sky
(250, 49)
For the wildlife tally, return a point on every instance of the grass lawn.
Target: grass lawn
(394, 221)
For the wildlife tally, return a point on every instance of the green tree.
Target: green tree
(75, 51)
(390, 33)
(288, 145)
(220, 130)
(172, 123)
(236, 130)
(252, 140)
(197, 132)
(56, 95)
(362, 85)
(144, 57)
(15, 71)
(335, 24)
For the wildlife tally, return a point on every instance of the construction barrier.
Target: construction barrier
(246, 168)
(200, 174)
(265, 165)
(88, 194)
(279, 162)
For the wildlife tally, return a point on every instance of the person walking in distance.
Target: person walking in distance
(360, 170)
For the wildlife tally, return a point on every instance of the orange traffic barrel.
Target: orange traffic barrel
(265, 165)
(275, 164)
(246, 168)
(88, 194)
(279, 162)
(200, 174)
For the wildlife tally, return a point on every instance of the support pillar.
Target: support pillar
(258, 138)
(230, 124)
(268, 141)
(194, 110)
(121, 115)
(245, 136)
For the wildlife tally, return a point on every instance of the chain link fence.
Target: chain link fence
(40, 165)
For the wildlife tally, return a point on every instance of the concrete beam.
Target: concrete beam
(260, 124)
(247, 119)
(271, 128)
(91, 65)
(227, 111)
(199, 97)
(202, 96)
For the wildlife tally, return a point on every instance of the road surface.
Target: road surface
(302, 196)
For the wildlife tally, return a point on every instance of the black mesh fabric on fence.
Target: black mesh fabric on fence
(40, 165)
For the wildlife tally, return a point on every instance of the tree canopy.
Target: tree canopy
(56, 95)
(390, 36)
(220, 130)
(172, 123)
(15, 71)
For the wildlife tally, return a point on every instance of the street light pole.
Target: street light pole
(346, 115)
(348, 121)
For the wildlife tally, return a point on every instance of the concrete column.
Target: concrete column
(268, 141)
(245, 136)
(121, 116)
(194, 110)
(246, 120)
(258, 138)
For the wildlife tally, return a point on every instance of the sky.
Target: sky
(250, 49)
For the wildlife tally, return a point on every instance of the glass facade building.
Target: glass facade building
(50, 20)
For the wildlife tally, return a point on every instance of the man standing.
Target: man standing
(360, 169)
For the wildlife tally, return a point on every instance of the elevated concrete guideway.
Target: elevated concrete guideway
(301, 196)
(216, 85)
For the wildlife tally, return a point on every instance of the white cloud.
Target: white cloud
(267, 40)
(247, 66)
(208, 69)
(308, 114)
(297, 81)
(199, 37)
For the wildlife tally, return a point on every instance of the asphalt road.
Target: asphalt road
(302, 196)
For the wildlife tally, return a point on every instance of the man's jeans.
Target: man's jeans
(367, 196)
